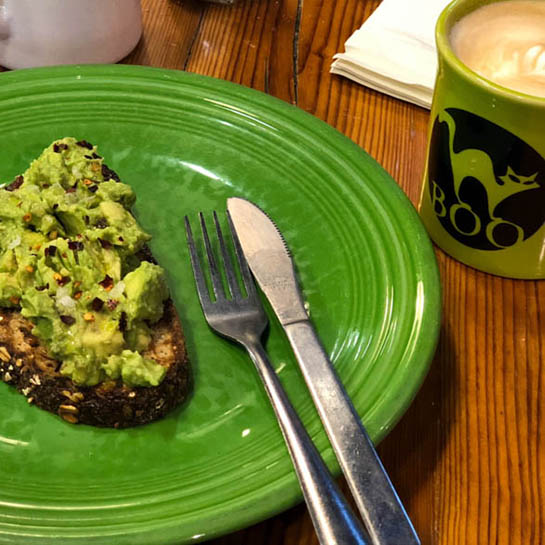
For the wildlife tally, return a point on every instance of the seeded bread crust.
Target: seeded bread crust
(25, 365)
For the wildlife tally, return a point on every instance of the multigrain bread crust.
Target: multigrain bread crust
(25, 364)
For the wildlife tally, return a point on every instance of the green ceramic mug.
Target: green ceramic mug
(483, 197)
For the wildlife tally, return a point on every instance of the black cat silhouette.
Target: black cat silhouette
(487, 186)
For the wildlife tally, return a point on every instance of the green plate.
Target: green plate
(186, 143)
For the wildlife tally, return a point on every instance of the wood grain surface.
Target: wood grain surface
(468, 457)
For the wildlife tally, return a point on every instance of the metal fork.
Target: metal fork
(241, 318)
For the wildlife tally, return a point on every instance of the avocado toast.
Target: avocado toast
(87, 328)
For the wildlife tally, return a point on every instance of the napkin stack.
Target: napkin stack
(394, 51)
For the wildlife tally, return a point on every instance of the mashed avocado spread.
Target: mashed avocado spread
(68, 246)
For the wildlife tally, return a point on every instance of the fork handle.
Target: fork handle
(333, 519)
(382, 511)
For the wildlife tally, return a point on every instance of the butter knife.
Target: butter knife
(268, 257)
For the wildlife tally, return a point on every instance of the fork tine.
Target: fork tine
(229, 270)
(249, 283)
(215, 274)
(202, 289)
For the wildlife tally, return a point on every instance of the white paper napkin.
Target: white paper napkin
(394, 50)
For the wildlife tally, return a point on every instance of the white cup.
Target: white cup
(51, 32)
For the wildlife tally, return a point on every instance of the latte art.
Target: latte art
(505, 43)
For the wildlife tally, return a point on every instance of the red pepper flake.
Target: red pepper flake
(106, 244)
(72, 189)
(97, 304)
(57, 148)
(109, 174)
(78, 295)
(61, 280)
(112, 304)
(68, 320)
(16, 184)
(107, 283)
(75, 245)
(15, 300)
(84, 144)
(27, 218)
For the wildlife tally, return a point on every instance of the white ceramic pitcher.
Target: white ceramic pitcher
(50, 32)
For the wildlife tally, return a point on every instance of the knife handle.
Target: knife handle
(333, 519)
(385, 517)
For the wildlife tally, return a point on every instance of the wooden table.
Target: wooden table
(468, 458)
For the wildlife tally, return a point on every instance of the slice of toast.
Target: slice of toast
(26, 363)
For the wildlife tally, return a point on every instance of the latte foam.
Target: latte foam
(505, 43)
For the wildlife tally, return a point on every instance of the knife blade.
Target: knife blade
(271, 264)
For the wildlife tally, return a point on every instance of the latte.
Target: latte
(505, 43)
